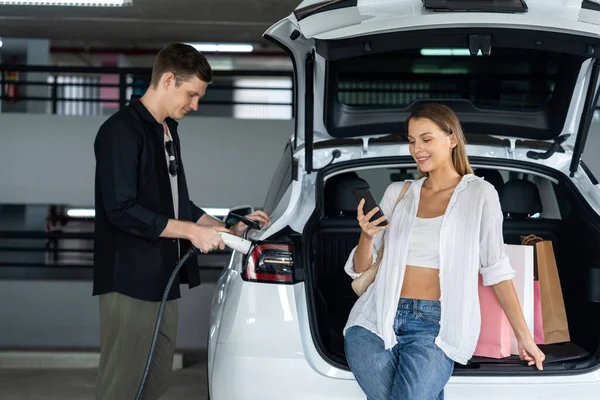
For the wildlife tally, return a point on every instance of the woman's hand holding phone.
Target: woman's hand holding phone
(370, 229)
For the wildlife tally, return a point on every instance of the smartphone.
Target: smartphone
(370, 203)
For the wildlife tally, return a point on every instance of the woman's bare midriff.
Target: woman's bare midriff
(421, 283)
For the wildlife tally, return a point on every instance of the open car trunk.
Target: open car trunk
(361, 67)
(575, 237)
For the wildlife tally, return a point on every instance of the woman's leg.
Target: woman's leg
(423, 368)
(373, 366)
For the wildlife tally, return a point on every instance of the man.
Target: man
(143, 212)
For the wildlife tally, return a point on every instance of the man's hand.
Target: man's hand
(207, 239)
(258, 216)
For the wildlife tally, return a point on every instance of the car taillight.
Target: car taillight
(270, 263)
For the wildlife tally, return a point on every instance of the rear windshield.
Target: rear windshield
(528, 90)
(506, 79)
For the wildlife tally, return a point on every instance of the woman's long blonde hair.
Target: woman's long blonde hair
(448, 122)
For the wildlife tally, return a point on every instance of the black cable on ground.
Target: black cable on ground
(192, 251)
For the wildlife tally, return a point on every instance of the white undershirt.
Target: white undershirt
(173, 180)
(424, 243)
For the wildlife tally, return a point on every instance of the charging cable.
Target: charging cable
(231, 241)
(192, 251)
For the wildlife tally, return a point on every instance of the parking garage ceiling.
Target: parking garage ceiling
(146, 24)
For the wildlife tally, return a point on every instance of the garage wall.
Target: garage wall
(50, 159)
(54, 314)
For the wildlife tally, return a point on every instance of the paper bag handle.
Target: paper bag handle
(531, 239)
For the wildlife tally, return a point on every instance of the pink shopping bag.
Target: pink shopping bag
(495, 335)
(538, 328)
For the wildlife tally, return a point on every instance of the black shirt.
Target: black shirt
(133, 203)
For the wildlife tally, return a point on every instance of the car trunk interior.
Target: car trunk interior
(574, 230)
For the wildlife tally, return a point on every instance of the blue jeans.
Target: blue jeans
(415, 369)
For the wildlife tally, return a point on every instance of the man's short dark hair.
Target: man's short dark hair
(183, 61)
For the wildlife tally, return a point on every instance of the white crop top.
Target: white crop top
(424, 243)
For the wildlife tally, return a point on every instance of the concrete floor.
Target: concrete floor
(63, 384)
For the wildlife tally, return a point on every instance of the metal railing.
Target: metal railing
(114, 86)
(77, 253)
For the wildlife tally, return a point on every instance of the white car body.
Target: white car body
(260, 342)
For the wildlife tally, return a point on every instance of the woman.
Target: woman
(421, 314)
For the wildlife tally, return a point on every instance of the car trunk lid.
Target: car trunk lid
(509, 75)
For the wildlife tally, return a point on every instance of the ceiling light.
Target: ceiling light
(91, 213)
(223, 48)
(78, 3)
(81, 212)
(445, 52)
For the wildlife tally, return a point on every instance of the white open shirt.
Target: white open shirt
(471, 242)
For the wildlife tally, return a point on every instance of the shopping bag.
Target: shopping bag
(538, 326)
(494, 336)
(554, 315)
(522, 260)
(497, 338)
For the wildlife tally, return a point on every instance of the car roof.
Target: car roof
(338, 19)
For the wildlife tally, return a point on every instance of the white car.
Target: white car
(524, 85)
